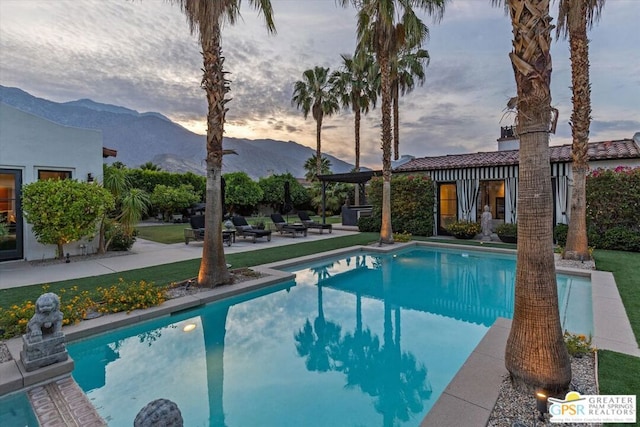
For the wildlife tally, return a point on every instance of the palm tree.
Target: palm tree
(410, 63)
(535, 356)
(150, 166)
(313, 94)
(131, 204)
(574, 18)
(205, 19)
(311, 168)
(355, 86)
(377, 32)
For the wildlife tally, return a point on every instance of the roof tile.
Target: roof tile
(619, 149)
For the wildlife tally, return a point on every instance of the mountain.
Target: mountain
(143, 137)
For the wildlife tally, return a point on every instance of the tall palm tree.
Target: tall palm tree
(355, 86)
(377, 32)
(574, 17)
(205, 18)
(313, 94)
(535, 354)
(411, 62)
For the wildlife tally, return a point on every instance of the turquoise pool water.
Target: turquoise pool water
(363, 340)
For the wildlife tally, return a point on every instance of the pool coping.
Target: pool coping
(468, 399)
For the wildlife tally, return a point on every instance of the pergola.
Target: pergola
(360, 178)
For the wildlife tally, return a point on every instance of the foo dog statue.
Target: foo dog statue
(44, 342)
(48, 318)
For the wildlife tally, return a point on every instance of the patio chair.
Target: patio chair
(285, 228)
(309, 223)
(196, 232)
(245, 230)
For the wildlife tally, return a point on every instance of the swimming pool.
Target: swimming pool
(364, 339)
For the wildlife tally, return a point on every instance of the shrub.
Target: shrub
(74, 306)
(412, 205)
(464, 229)
(118, 239)
(507, 232)
(560, 234)
(577, 344)
(613, 208)
(620, 238)
(129, 296)
(507, 229)
(402, 237)
(369, 224)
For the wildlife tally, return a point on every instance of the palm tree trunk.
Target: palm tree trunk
(318, 147)
(213, 267)
(358, 118)
(386, 232)
(577, 246)
(535, 356)
(396, 122)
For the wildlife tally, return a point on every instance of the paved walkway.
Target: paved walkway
(143, 254)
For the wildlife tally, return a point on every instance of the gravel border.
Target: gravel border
(516, 408)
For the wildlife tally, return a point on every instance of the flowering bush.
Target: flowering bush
(463, 229)
(577, 344)
(402, 237)
(75, 304)
(613, 208)
(129, 296)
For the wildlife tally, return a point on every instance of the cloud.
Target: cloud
(141, 55)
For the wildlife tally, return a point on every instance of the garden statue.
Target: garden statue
(44, 342)
(159, 413)
(486, 223)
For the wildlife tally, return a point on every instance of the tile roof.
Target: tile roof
(620, 149)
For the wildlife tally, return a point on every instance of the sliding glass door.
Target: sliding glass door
(11, 235)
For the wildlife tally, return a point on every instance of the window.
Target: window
(52, 174)
(491, 193)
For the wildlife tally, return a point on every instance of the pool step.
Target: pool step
(62, 403)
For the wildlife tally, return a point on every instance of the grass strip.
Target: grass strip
(624, 266)
(178, 271)
(618, 374)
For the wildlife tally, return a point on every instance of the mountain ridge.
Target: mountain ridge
(151, 136)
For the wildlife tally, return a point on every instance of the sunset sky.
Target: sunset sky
(140, 55)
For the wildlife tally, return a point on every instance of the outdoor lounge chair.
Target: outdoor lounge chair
(285, 228)
(309, 223)
(196, 232)
(245, 230)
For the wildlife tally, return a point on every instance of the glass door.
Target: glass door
(447, 206)
(10, 215)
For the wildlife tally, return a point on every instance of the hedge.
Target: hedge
(412, 204)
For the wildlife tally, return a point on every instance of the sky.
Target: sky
(140, 54)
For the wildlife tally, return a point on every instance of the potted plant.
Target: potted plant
(463, 229)
(508, 233)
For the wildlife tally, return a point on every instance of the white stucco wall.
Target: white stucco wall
(30, 143)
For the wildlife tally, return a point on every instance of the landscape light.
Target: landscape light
(541, 403)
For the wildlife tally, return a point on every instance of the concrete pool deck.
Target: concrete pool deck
(467, 400)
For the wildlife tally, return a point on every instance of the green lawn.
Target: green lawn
(619, 373)
(177, 271)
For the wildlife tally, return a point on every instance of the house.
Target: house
(33, 148)
(465, 183)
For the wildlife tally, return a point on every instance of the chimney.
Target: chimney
(508, 139)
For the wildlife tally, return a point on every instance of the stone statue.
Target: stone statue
(48, 318)
(486, 223)
(44, 342)
(159, 413)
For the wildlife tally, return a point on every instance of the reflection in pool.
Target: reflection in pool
(365, 340)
